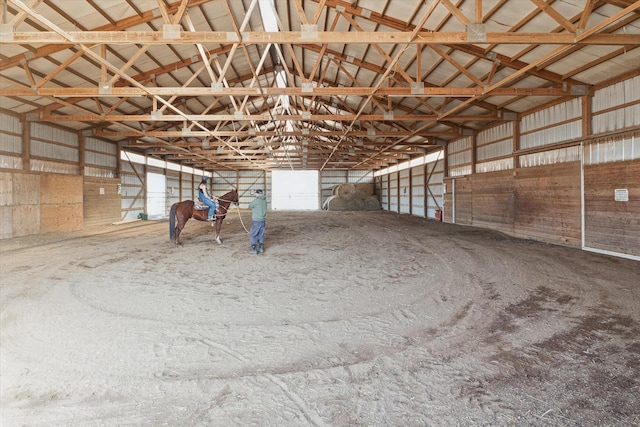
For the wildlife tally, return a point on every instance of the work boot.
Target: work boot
(254, 250)
(260, 248)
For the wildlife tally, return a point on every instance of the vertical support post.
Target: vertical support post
(26, 143)
(81, 152)
(410, 191)
(425, 185)
(516, 143)
(398, 193)
(474, 154)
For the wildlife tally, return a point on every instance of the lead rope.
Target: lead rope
(240, 216)
(237, 210)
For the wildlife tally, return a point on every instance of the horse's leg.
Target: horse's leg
(179, 226)
(218, 227)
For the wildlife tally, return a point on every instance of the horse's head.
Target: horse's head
(231, 196)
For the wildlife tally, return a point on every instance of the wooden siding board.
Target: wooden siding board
(6, 222)
(464, 201)
(101, 207)
(610, 225)
(493, 200)
(6, 189)
(60, 189)
(548, 203)
(25, 220)
(61, 217)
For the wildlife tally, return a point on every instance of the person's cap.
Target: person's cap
(204, 178)
(258, 191)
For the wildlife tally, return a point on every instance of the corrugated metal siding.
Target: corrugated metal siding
(495, 142)
(384, 191)
(10, 138)
(404, 192)
(132, 190)
(435, 175)
(614, 150)
(460, 171)
(53, 150)
(10, 162)
(43, 149)
(611, 98)
(459, 156)
(562, 155)
(51, 134)
(494, 165)
(173, 188)
(100, 158)
(38, 165)
(249, 181)
(393, 192)
(539, 128)
(186, 186)
(417, 190)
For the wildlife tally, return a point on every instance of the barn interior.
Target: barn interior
(100, 97)
(475, 172)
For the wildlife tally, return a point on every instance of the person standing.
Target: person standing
(208, 200)
(258, 208)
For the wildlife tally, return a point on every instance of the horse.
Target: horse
(182, 211)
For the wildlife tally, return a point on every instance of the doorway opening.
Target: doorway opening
(294, 190)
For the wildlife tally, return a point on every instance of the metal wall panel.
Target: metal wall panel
(560, 133)
(495, 165)
(48, 133)
(10, 138)
(537, 129)
(618, 94)
(38, 165)
(384, 191)
(100, 158)
(495, 142)
(614, 150)
(418, 179)
(10, 162)
(562, 155)
(404, 192)
(10, 143)
(393, 192)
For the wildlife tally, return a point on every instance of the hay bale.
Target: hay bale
(335, 203)
(372, 203)
(364, 190)
(355, 204)
(346, 190)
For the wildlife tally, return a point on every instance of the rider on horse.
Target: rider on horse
(208, 200)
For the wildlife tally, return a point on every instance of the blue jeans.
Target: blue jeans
(212, 206)
(256, 234)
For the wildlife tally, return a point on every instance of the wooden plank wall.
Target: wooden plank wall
(33, 203)
(20, 200)
(493, 200)
(548, 203)
(464, 200)
(61, 203)
(541, 203)
(101, 201)
(612, 225)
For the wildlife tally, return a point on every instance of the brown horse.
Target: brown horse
(182, 211)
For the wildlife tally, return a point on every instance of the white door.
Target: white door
(295, 190)
(156, 195)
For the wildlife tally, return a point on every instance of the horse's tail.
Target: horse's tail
(172, 222)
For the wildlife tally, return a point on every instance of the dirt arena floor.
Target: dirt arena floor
(348, 319)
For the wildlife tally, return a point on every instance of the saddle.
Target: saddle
(199, 206)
